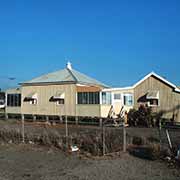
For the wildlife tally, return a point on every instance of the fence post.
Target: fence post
(124, 137)
(104, 140)
(22, 120)
(66, 126)
(160, 128)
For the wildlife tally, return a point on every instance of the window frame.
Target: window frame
(154, 105)
(13, 100)
(127, 95)
(58, 102)
(153, 98)
(83, 98)
(115, 99)
(33, 102)
(106, 98)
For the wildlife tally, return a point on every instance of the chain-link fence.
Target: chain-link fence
(95, 138)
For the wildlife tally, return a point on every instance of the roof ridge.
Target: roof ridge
(63, 76)
(74, 77)
(160, 78)
(87, 76)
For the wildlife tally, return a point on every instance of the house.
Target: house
(159, 94)
(65, 92)
(153, 91)
(68, 92)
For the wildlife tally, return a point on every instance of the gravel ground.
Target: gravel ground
(27, 162)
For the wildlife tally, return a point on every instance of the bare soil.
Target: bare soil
(27, 162)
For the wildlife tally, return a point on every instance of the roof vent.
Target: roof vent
(69, 66)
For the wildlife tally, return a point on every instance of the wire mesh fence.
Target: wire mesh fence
(96, 140)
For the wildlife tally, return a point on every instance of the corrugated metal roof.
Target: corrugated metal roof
(65, 76)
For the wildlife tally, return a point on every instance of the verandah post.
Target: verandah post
(6, 116)
(34, 117)
(61, 119)
(76, 119)
(100, 122)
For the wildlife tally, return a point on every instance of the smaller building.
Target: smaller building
(13, 101)
(152, 91)
(160, 94)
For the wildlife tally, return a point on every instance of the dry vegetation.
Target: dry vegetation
(30, 162)
(89, 139)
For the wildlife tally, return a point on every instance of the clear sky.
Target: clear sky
(114, 41)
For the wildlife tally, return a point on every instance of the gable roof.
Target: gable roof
(177, 89)
(160, 78)
(67, 75)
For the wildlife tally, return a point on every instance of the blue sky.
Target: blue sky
(114, 41)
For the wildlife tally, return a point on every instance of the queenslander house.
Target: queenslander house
(68, 92)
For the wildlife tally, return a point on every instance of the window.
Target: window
(14, 100)
(106, 98)
(117, 96)
(88, 97)
(33, 101)
(32, 98)
(60, 101)
(128, 99)
(153, 102)
(2, 102)
(153, 98)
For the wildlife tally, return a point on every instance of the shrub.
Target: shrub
(141, 117)
(137, 141)
(150, 152)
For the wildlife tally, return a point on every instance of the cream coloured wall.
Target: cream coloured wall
(92, 110)
(13, 110)
(44, 106)
(105, 110)
(168, 99)
(118, 104)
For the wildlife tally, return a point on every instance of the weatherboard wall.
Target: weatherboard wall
(71, 108)
(168, 99)
(44, 106)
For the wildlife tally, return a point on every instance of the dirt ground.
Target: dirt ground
(28, 162)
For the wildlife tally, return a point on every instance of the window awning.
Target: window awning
(31, 96)
(59, 95)
(152, 95)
